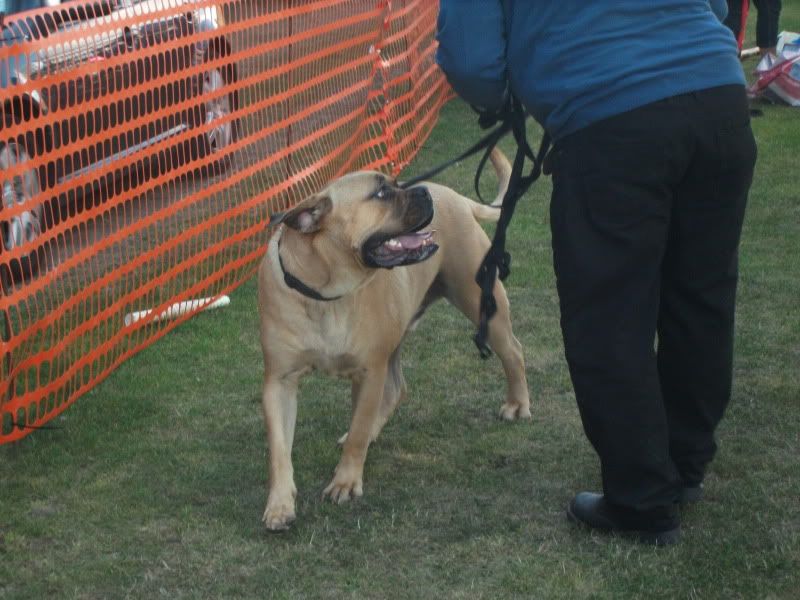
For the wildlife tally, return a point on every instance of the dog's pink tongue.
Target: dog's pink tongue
(413, 240)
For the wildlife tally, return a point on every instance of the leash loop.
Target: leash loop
(497, 261)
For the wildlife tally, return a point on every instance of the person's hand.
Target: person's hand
(489, 118)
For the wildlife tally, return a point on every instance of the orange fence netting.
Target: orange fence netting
(144, 144)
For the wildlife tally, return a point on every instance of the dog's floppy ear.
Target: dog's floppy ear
(307, 216)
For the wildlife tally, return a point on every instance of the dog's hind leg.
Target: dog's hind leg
(394, 392)
(354, 399)
(503, 342)
(279, 401)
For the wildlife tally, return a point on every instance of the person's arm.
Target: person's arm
(472, 51)
(720, 8)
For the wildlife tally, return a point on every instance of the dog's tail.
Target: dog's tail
(490, 213)
(503, 170)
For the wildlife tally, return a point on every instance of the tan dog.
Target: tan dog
(330, 298)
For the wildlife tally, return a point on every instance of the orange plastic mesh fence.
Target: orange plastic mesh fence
(144, 144)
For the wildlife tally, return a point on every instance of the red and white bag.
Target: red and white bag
(779, 77)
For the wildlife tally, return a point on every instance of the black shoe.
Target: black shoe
(690, 494)
(593, 511)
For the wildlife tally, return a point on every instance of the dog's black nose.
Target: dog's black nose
(419, 200)
(419, 192)
(419, 207)
(420, 197)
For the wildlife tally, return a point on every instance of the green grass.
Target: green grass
(154, 483)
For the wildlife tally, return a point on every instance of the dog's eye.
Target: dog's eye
(382, 192)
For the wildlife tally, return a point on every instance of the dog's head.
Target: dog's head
(365, 220)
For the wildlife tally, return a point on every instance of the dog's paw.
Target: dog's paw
(278, 518)
(279, 514)
(513, 411)
(344, 488)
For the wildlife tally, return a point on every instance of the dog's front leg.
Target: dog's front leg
(279, 400)
(348, 479)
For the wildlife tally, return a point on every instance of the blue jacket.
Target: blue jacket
(574, 62)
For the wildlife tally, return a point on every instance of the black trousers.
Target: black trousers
(646, 216)
(767, 21)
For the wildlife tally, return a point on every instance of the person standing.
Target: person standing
(652, 161)
(767, 19)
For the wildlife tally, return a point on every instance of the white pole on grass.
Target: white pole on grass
(178, 309)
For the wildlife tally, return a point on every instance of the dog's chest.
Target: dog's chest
(329, 345)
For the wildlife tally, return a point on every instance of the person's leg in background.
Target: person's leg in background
(737, 19)
(767, 25)
(699, 276)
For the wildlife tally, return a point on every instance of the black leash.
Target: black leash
(485, 143)
(497, 260)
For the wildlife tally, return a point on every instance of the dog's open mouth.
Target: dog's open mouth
(406, 249)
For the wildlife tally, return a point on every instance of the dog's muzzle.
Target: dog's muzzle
(410, 245)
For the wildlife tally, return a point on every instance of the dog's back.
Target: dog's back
(487, 213)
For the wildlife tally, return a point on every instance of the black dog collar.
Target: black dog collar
(294, 283)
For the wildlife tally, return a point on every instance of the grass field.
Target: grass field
(154, 483)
